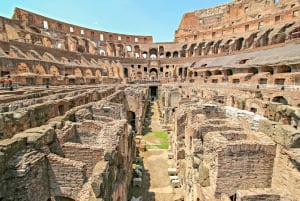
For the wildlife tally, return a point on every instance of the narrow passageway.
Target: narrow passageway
(155, 158)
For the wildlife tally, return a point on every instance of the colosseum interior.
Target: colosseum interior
(75, 104)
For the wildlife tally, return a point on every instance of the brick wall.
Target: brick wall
(84, 153)
(66, 176)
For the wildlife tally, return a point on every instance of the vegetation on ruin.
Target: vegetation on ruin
(164, 139)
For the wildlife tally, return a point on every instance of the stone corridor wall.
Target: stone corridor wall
(227, 152)
(84, 153)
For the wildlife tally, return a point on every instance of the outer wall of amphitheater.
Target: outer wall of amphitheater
(74, 103)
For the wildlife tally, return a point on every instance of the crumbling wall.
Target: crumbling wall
(66, 177)
(82, 152)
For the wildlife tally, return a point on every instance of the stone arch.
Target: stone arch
(283, 69)
(192, 49)
(120, 50)
(217, 72)
(101, 52)
(22, 68)
(249, 41)
(280, 99)
(295, 33)
(264, 39)
(137, 51)
(78, 72)
(153, 53)
(53, 70)
(40, 69)
(183, 50)
(267, 69)
(88, 73)
(228, 72)
(207, 73)
(216, 47)
(168, 55)
(200, 48)
(161, 51)
(296, 140)
(153, 73)
(278, 38)
(98, 73)
(253, 106)
(111, 49)
(126, 72)
(239, 44)
(175, 54)
(253, 70)
(145, 55)
(207, 47)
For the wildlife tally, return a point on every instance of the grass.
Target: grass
(163, 138)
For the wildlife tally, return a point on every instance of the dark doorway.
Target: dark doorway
(131, 119)
(61, 109)
(153, 92)
(280, 99)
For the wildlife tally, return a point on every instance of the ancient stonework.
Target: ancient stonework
(73, 105)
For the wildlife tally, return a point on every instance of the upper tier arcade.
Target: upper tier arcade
(240, 17)
(34, 21)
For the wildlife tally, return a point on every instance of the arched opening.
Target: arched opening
(217, 72)
(61, 109)
(195, 74)
(137, 51)
(207, 73)
(183, 50)
(168, 55)
(253, 70)
(284, 69)
(267, 69)
(233, 197)
(253, 109)
(280, 99)
(296, 142)
(229, 72)
(145, 55)
(125, 70)
(153, 74)
(295, 33)
(153, 56)
(208, 47)
(153, 92)
(153, 53)
(192, 49)
(239, 44)
(131, 119)
(175, 54)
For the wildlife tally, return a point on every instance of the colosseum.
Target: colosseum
(214, 115)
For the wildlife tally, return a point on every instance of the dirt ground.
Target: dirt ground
(156, 185)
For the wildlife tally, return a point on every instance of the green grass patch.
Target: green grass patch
(163, 139)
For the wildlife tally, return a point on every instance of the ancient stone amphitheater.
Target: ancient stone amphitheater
(228, 90)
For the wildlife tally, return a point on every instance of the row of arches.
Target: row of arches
(253, 70)
(24, 69)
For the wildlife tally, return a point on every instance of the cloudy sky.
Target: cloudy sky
(157, 18)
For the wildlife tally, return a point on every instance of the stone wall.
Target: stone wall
(66, 176)
(81, 152)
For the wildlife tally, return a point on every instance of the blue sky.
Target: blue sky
(157, 18)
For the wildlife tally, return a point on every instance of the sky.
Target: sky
(156, 18)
